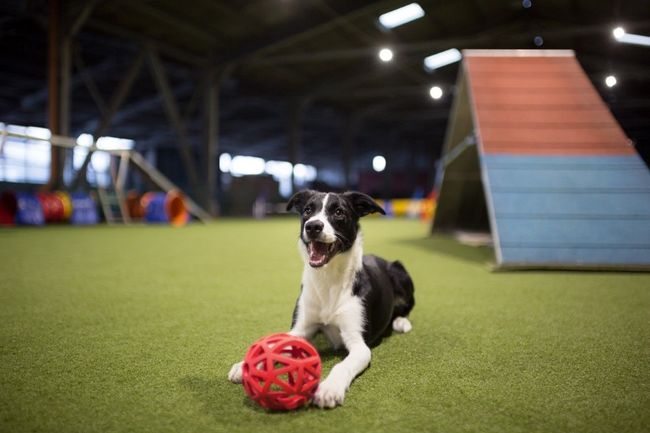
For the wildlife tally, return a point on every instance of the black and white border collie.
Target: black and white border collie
(355, 300)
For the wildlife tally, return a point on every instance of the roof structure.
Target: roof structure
(273, 53)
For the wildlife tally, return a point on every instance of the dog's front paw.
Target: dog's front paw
(235, 373)
(330, 393)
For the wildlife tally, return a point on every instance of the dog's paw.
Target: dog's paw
(235, 373)
(402, 324)
(329, 394)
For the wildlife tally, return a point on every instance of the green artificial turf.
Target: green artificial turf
(133, 329)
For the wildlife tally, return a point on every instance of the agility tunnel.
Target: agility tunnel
(162, 207)
(533, 155)
(21, 208)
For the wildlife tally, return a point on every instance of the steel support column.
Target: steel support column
(54, 92)
(174, 116)
(211, 138)
(349, 147)
(296, 112)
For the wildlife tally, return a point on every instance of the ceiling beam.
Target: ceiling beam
(33, 100)
(165, 49)
(172, 21)
(286, 35)
(511, 32)
(82, 17)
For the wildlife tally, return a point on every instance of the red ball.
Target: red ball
(281, 372)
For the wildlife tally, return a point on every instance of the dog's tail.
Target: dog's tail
(403, 288)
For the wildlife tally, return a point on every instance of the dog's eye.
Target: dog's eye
(338, 212)
(307, 210)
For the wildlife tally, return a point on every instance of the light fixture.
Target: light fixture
(538, 41)
(610, 81)
(618, 32)
(435, 92)
(403, 15)
(246, 165)
(378, 163)
(85, 140)
(225, 160)
(629, 38)
(441, 59)
(385, 54)
(526, 4)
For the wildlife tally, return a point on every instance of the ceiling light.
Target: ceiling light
(435, 92)
(246, 165)
(441, 59)
(610, 81)
(85, 140)
(378, 163)
(618, 32)
(385, 54)
(401, 16)
(628, 38)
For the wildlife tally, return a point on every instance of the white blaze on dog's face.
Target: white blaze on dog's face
(330, 222)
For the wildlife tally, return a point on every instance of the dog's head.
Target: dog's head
(330, 222)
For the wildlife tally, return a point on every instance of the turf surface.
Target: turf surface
(133, 329)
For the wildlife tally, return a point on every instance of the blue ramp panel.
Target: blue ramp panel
(569, 210)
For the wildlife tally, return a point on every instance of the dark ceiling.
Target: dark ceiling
(275, 54)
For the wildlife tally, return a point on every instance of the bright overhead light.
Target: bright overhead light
(113, 143)
(441, 59)
(401, 16)
(628, 38)
(618, 32)
(386, 54)
(85, 140)
(610, 81)
(435, 92)
(246, 165)
(225, 161)
(378, 163)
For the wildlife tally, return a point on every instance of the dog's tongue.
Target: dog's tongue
(318, 253)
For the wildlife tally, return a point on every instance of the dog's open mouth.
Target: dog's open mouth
(320, 253)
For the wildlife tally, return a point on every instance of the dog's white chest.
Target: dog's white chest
(331, 305)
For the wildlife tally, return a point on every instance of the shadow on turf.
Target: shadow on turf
(210, 392)
(447, 246)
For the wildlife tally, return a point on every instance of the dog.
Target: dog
(354, 300)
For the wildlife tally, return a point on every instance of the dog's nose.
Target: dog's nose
(313, 228)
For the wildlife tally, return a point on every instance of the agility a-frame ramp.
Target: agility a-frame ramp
(533, 155)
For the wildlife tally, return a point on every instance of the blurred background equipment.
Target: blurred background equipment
(534, 157)
(299, 94)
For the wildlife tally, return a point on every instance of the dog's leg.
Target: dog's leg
(303, 330)
(235, 373)
(299, 330)
(331, 391)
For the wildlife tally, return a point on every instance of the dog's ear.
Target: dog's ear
(363, 204)
(299, 200)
